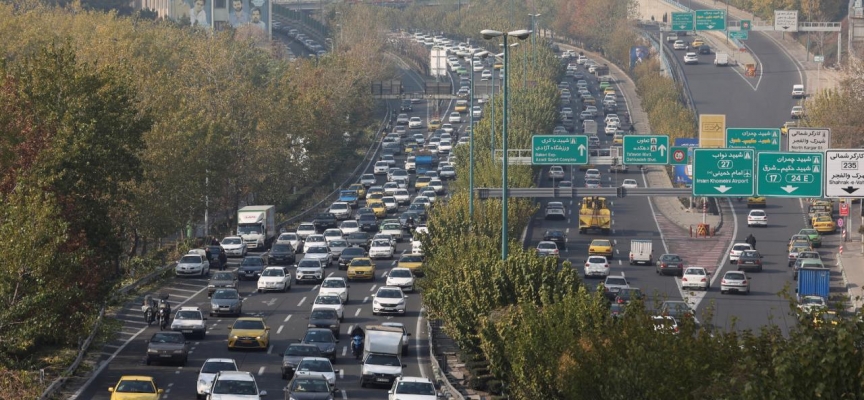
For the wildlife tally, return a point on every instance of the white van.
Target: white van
(641, 251)
(797, 91)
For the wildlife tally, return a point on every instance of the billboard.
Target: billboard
(638, 54)
(438, 62)
(684, 173)
(252, 15)
(192, 12)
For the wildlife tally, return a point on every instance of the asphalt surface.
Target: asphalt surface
(756, 102)
(285, 314)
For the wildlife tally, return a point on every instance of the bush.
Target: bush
(495, 386)
(475, 383)
(479, 371)
(477, 364)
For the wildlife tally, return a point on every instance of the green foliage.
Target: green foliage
(839, 109)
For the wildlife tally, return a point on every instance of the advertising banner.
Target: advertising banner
(684, 173)
(192, 12)
(638, 54)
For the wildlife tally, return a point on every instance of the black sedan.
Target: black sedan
(670, 264)
(167, 347)
(251, 268)
(281, 254)
(557, 236)
(750, 260)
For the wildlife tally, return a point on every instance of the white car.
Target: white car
(448, 172)
(274, 278)
(691, 58)
(412, 388)
(390, 203)
(592, 174)
(757, 218)
(401, 278)
(316, 366)
(611, 118)
(381, 168)
(429, 194)
(208, 373)
(332, 233)
(596, 266)
(679, 45)
(368, 180)
(665, 323)
(402, 119)
(797, 112)
(192, 264)
(309, 270)
(235, 385)
(388, 299)
(335, 285)
(234, 246)
(402, 196)
(445, 146)
(291, 238)
(349, 226)
(447, 128)
(422, 200)
(437, 185)
(340, 209)
(455, 118)
(385, 236)
(381, 249)
(316, 239)
(477, 112)
(305, 229)
(393, 229)
(330, 301)
(736, 251)
(486, 75)
(319, 252)
(630, 184)
(811, 304)
(390, 188)
(610, 129)
(696, 278)
(190, 321)
(415, 122)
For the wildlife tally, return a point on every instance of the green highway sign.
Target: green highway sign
(678, 155)
(682, 21)
(739, 35)
(723, 172)
(646, 149)
(745, 24)
(789, 174)
(710, 20)
(559, 149)
(759, 139)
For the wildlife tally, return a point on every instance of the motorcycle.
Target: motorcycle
(149, 315)
(164, 316)
(357, 346)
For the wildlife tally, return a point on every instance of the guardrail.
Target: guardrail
(440, 375)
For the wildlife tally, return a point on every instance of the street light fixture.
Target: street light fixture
(488, 34)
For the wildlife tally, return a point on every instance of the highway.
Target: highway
(756, 102)
(285, 314)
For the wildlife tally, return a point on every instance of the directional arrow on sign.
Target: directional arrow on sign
(722, 188)
(581, 150)
(850, 189)
(789, 188)
(662, 150)
(785, 27)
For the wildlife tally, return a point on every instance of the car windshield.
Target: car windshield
(328, 300)
(389, 294)
(225, 294)
(310, 385)
(381, 359)
(288, 236)
(596, 260)
(734, 276)
(381, 243)
(349, 224)
(212, 367)
(135, 387)
(303, 350)
(282, 248)
(226, 386)
(421, 388)
(361, 263)
(316, 250)
(616, 281)
(740, 247)
(392, 227)
(196, 315)
(279, 272)
(315, 366)
(231, 241)
(253, 261)
(167, 337)
(601, 243)
(323, 314)
(333, 283)
(411, 259)
(223, 276)
(545, 245)
(813, 300)
(750, 254)
(248, 324)
(400, 273)
(306, 227)
(695, 271)
(338, 243)
(190, 259)
(318, 336)
(309, 264)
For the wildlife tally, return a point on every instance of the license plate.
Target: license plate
(165, 355)
(382, 380)
(187, 331)
(389, 309)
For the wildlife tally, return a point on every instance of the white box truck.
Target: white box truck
(721, 59)
(589, 127)
(382, 362)
(641, 251)
(257, 226)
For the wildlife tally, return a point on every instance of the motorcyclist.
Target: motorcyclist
(214, 242)
(149, 309)
(409, 223)
(357, 336)
(751, 240)
(164, 313)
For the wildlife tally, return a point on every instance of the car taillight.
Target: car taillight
(743, 282)
(607, 265)
(620, 301)
(684, 279)
(723, 282)
(704, 280)
(759, 262)
(587, 265)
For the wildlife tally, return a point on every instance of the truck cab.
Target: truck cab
(382, 363)
(257, 226)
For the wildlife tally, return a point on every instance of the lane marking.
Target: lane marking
(301, 302)
(261, 371)
(287, 318)
(278, 331)
(357, 313)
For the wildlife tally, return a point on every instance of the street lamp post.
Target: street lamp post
(471, 146)
(488, 34)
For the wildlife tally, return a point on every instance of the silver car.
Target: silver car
(547, 249)
(556, 172)
(321, 253)
(226, 302)
(336, 246)
(735, 282)
(555, 209)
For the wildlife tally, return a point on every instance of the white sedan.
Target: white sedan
(291, 238)
(314, 366)
(630, 184)
(381, 249)
(330, 301)
(401, 278)
(415, 122)
(691, 58)
(757, 218)
(274, 278)
(335, 285)
(596, 266)
(402, 196)
(696, 278)
(381, 168)
(610, 129)
(679, 45)
(736, 251)
(455, 118)
(349, 226)
(234, 246)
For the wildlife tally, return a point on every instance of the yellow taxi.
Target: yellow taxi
(374, 196)
(135, 387)
(609, 90)
(412, 261)
(249, 333)
(410, 148)
(829, 317)
(361, 268)
(618, 139)
(377, 207)
(589, 101)
(600, 247)
(461, 106)
(824, 224)
(360, 189)
(826, 205)
(756, 202)
(786, 125)
(422, 182)
(498, 65)
(697, 42)
(798, 241)
(434, 124)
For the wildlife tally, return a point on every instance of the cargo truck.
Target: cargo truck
(589, 127)
(721, 59)
(382, 362)
(425, 161)
(257, 226)
(641, 251)
(813, 282)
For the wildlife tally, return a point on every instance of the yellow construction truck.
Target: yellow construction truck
(594, 214)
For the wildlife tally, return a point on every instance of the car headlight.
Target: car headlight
(214, 305)
(401, 302)
(333, 326)
(234, 337)
(211, 286)
(202, 382)
(287, 364)
(152, 351)
(258, 337)
(178, 351)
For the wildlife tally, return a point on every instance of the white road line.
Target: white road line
(179, 290)
(287, 318)
(567, 231)
(344, 350)
(365, 299)
(301, 302)
(269, 350)
(342, 371)
(619, 262)
(615, 241)
(278, 331)
(330, 274)
(373, 288)
(260, 371)
(357, 313)
(314, 288)
(344, 394)
(350, 328)
(384, 274)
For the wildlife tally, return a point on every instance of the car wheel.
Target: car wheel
(722, 291)
(297, 282)
(285, 287)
